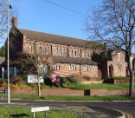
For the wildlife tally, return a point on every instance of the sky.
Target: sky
(62, 17)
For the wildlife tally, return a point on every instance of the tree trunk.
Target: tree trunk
(39, 87)
(130, 76)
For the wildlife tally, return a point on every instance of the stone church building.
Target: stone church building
(66, 56)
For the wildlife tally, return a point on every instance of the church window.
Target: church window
(75, 53)
(89, 68)
(72, 53)
(44, 51)
(40, 49)
(72, 67)
(57, 67)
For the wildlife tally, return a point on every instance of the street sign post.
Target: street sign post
(40, 109)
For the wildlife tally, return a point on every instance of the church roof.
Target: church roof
(57, 39)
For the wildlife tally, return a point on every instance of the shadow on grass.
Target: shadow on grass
(19, 115)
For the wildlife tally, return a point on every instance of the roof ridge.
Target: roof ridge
(58, 39)
(59, 35)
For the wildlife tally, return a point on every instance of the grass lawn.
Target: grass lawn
(79, 86)
(98, 86)
(77, 98)
(72, 98)
(24, 112)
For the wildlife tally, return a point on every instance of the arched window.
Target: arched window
(111, 71)
(40, 49)
(127, 72)
(57, 67)
(75, 53)
(45, 51)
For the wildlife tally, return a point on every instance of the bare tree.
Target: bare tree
(3, 18)
(7, 10)
(114, 23)
(41, 64)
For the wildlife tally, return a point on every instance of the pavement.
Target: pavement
(117, 109)
(94, 112)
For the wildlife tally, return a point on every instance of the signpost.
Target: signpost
(39, 109)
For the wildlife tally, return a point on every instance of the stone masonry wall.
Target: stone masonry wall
(90, 71)
(117, 67)
(44, 48)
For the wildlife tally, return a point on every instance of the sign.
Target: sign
(33, 79)
(39, 109)
(3, 70)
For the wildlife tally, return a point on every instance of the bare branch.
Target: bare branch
(116, 23)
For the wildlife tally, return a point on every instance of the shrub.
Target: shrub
(69, 81)
(1, 83)
(57, 81)
(17, 80)
(24, 77)
(53, 80)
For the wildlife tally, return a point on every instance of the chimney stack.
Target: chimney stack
(14, 21)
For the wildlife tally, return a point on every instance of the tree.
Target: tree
(41, 63)
(114, 24)
(2, 51)
(3, 18)
(7, 10)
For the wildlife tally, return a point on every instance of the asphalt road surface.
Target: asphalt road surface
(128, 106)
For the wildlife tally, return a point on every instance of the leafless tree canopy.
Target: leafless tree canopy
(114, 22)
(3, 18)
(6, 12)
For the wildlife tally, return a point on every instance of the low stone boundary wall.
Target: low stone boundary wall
(62, 92)
(71, 92)
(105, 92)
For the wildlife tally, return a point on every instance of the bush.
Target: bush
(17, 80)
(1, 83)
(69, 81)
(57, 81)
(24, 77)
(53, 80)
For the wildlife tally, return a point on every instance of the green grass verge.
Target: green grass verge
(71, 98)
(98, 86)
(80, 86)
(24, 112)
(67, 98)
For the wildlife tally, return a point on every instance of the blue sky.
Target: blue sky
(67, 18)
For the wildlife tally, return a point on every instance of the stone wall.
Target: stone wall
(71, 92)
(117, 66)
(44, 48)
(28, 46)
(90, 71)
(64, 69)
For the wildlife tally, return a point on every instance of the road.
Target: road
(123, 106)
